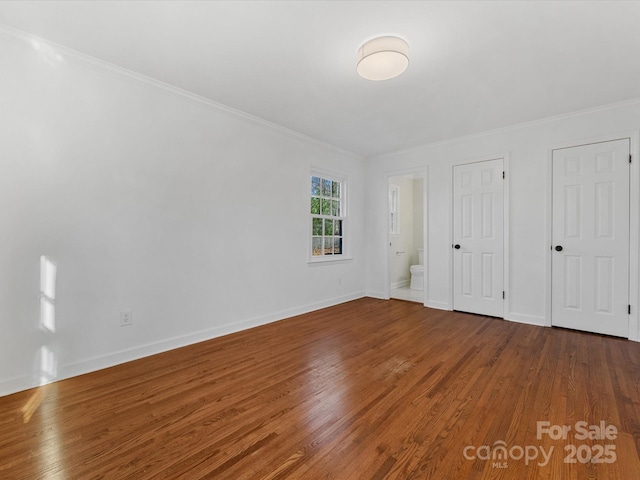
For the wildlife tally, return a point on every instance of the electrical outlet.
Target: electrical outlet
(126, 318)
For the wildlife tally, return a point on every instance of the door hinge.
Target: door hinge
(503, 294)
(503, 175)
(629, 309)
(629, 158)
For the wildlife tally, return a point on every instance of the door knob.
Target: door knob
(558, 248)
(456, 246)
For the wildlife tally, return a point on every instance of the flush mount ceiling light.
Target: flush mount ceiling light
(383, 58)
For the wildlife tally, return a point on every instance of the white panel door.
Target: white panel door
(478, 238)
(590, 251)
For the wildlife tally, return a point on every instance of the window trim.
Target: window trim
(345, 256)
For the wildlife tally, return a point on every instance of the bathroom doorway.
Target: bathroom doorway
(406, 229)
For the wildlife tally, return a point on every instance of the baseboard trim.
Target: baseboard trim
(527, 319)
(437, 305)
(378, 295)
(400, 284)
(20, 383)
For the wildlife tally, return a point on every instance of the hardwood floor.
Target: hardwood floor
(365, 390)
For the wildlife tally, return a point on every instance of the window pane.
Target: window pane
(315, 205)
(326, 188)
(316, 246)
(317, 226)
(326, 209)
(315, 186)
(328, 227)
(326, 206)
(328, 245)
(337, 245)
(337, 227)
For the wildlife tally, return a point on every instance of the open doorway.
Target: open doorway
(407, 279)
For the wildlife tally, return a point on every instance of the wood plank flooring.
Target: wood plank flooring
(369, 390)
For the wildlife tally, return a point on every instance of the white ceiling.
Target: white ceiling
(475, 66)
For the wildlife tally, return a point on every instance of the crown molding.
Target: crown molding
(34, 42)
(509, 128)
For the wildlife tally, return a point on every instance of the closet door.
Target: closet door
(478, 191)
(590, 251)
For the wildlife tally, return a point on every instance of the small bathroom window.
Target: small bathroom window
(394, 220)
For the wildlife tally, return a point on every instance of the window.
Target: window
(394, 220)
(328, 213)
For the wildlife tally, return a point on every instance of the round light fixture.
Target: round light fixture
(383, 58)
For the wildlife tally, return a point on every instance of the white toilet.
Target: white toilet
(417, 272)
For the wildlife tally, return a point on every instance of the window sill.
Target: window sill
(328, 261)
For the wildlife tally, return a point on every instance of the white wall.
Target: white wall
(194, 218)
(528, 148)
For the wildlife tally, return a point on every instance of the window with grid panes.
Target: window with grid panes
(394, 221)
(327, 216)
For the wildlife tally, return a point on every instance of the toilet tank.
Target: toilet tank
(421, 256)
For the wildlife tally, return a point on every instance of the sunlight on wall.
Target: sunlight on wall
(48, 272)
(45, 367)
(47, 53)
(47, 364)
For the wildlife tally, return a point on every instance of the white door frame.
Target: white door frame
(634, 223)
(423, 172)
(505, 226)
